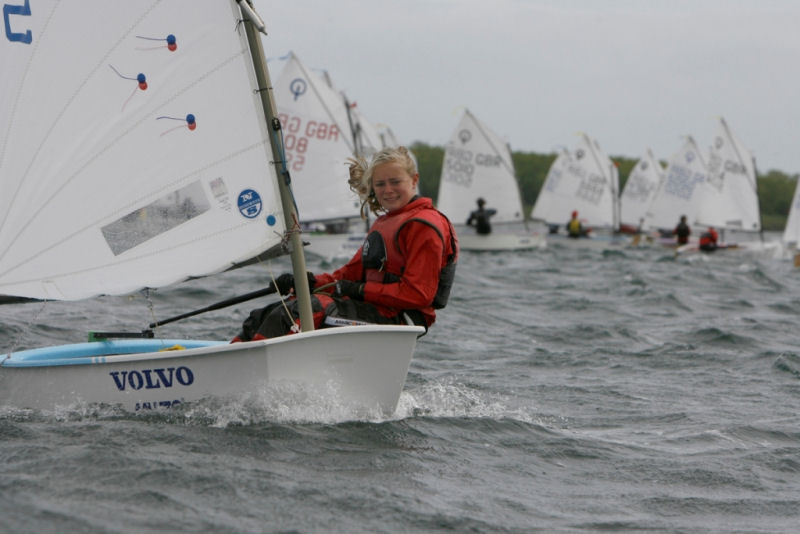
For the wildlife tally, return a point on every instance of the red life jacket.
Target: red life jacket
(383, 260)
(709, 238)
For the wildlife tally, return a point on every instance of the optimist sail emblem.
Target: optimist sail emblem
(249, 203)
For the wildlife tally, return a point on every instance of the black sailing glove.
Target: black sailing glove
(285, 282)
(347, 288)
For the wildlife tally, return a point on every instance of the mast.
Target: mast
(760, 217)
(253, 25)
(358, 143)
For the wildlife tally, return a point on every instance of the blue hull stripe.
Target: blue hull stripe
(94, 352)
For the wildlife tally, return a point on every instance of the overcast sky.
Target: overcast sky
(631, 73)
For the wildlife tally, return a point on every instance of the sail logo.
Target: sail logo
(464, 136)
(249, 203)
(298, 87)
(25, 37)
(153, 378)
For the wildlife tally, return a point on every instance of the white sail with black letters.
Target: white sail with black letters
(681, 190)
(730, 200)
(477, 164)
(319, 140)
(583, 180)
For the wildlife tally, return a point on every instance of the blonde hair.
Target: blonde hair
(361, 175)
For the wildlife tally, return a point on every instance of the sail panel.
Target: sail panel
(141, 127)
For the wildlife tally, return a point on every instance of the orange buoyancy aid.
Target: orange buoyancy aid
(709, 238)
(382, 255)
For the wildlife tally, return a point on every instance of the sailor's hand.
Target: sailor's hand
(284, 283)
(348, 288)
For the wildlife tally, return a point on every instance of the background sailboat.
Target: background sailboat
(791, 232)
(681, 191)
(322, 129)
(152, 163)
(640, 189)
(584, 180)
(477, 164)
(730, 199)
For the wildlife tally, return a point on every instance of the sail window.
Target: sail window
(158, 217)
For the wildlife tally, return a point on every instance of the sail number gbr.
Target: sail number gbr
(297, 133)
(460, 164)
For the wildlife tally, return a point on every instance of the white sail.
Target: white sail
(640, 189)
(791, 233)
(681, 190)
(585, 180)
(363, 133)
(730, 200)
(477, 163)
(605, 164)
(554, 199)
(318, 141)
(142, 174)
(368, 134)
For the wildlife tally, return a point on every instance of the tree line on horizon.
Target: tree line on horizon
(775, 188)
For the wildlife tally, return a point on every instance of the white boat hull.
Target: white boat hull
(500, 242)
(750, 248)
(595, 240)
(363, 367)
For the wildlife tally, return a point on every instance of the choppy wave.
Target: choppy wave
(562, 390)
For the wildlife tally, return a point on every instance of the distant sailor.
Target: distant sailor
(682, 231)
(480, 218)
(708, 240)
(401, 274)
(575, 227)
